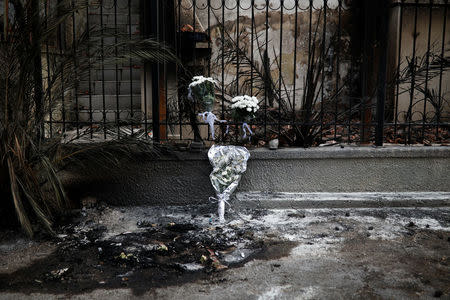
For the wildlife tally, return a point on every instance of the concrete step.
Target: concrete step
(342, 200)
(110, 101)
(111, 88)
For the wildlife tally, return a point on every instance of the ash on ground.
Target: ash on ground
(386, 252)
(140, 248)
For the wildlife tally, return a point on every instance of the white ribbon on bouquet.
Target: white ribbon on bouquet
(210, 118)
(245, 127)
(221, 199)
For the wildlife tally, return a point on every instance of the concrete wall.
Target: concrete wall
(281, 30)
(184, 178)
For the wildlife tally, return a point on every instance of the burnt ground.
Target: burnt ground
(182, 252)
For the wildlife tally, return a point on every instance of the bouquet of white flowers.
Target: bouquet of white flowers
(229, 163)
(243, 110)
(201, 90)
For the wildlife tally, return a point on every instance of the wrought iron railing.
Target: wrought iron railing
(325, 72)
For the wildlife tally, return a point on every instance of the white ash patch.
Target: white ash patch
(237, 255)
(387, 229)
(422, 223)
(117, 222)
(281, 217)
(273, 293)
(310, 292)
(192, 266)
(316, 247)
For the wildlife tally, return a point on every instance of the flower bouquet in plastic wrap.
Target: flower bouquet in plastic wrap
(229, 163)
(201, 90)
(243, 111)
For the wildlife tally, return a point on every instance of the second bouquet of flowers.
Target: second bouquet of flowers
(201, 91)
(243, 111)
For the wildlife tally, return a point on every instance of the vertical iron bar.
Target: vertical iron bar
(147, 19)
(381, 93)
(252, 46)
(295, 61)
(49, 81)
(413, 75)
(280, 66)
(164, 39)
(350, 103)
(310, 29)
(75, 64)
(337, 69)
(364, 92)
(223, 64)
(155, 76)
(438, 115)
(209, 34)
(88, 54)
(180, 115)
(209, 60)
(427, 63)
(237, 47)
(306, 120)
(266, 67)
(237, 58)
(61, 54)
(116, 71)
(398, 67)
(323, 67)
(37, 72)
(131, 68)
(194, 24)
(103, 68)
(145, 100)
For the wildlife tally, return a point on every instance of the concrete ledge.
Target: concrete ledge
(349, 152)
(346, 152)
(341, 200)
(352, 169)
(184, 177)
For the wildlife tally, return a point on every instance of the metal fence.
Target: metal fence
(325, 72)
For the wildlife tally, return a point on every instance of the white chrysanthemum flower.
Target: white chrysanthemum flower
(248, 103)
(200, 79)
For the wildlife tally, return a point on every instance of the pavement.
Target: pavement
(339, 253)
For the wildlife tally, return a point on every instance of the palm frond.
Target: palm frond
(32, 163)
